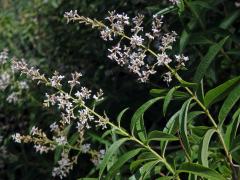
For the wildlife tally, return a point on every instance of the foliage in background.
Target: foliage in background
(208, 34)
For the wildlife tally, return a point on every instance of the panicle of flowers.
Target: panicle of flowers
(156, 27)
(137, 21)
(71, 15)
(118, 21)
(65, 164)
(38, 138)
(8, 82)
(167, 40)
(21, 65)
(134, 55)
(73, 108)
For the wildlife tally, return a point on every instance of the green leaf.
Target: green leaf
(161, 136)
(199, 130)
(171, 128)
(120, 116)
(192, 115)
(57, 153)
(167, 99)
(113, 148)
(137, 163)
(165, 178)
(166, 10)
(177, 95)
(187, 84)
(158, 92)
(137, 119)
(230, 19)
(203, 153)
(196, 11)
(120, 162)
(96, 137)
(232, 129)
(219, 92)
(88, 179)
(146, 168)
(228, 104)
(183, 118)
(200, 170)
(207, 60)
(186, 35)
(180, 7)
(73, 139)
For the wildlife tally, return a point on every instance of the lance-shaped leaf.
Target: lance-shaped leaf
(167, 99)
(183, 118)
(232, 128)
(113, 148)
(120, 162)
(119, 118)
(200, 170)
(137, 123)
(220, 91)
(228, 104)
(171, 128)
(161, 136)
(204, 146)
(207, 60)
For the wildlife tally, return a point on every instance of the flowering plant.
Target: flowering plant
(185, 148)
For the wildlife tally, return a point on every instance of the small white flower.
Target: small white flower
(17, 137)
(60, 140)
(163, 59)
(85, 148)
(41, 149)
(136, 40)
(54, 127)
(34, 131)
(167, 77)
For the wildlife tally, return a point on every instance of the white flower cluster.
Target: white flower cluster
(74, 112)
(7, 80)
(70, 15)
(30, 72)
(134, 56)
(65, 164)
